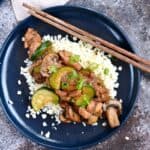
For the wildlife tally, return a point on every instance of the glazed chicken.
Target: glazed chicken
(32, 40)
(80, 93)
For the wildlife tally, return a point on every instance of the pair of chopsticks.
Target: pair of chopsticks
(100, 43)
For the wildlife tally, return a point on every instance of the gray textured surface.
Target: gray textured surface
(134, 17)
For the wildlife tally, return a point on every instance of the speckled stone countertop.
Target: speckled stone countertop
(134, 17)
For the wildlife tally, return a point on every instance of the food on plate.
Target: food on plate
(73, 76)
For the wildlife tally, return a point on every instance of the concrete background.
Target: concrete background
(134, 17)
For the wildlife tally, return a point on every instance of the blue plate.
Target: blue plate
(67, 136)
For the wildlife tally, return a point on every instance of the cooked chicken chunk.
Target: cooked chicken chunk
(35, 72)
(65, 56)
(32, 40)
(49, 60)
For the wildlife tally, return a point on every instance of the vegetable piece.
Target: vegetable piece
(41, 50)
(92, 66)
(73, 75)
(112, 117)
(35, 72)
(83, 101)
(52, 69)
(113, 110)
(89, 91)
(74, 59)
(42, 97)
(55, 78)
(64, 85)
(36, 69)
(106, 71)
(80, 84)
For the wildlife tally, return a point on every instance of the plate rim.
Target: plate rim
(16, 125)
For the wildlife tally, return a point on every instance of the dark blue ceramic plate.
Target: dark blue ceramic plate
(68, 136)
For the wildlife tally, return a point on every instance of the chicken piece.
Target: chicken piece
(64, 104)
(35, 72)
(93, 119)
(77, 66)
(63, 119)
(65, 56)
(95, 108)
(98, 109)
(32, 40)
(65, 98)
(91, 106)
(49, 60)
(101, 92)
(61, 93)
(75, 93)
(105, 97)
(73, 116)
(84, 113)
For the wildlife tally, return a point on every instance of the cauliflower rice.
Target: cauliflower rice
(88, 55)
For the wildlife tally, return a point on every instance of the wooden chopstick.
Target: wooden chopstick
(39, 14)
(96, 39)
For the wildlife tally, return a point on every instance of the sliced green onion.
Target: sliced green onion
(83, 101)
(106, 71)
(52, 69)
(80, 84)
(93, 66)
(64, 85)
(74, 59)
(73, 75)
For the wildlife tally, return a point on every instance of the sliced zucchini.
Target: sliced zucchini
(41, 50)
(42, 97)
(83, 101)
(55, 78)
(89, 91)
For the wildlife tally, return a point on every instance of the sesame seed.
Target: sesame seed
(22, 39)
(53, 124)
(82, 132)
(38, 112)
(27, 115)
(44, 124)
(120, 68)
(104, 124)
(33, 116)
(42, 132)
(19, 82)
(47, 134)
(44, 116)
(84, 124)
(19, 92)
(95, 124)
(121, 101)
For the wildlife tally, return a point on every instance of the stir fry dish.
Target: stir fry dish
(81, 94)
